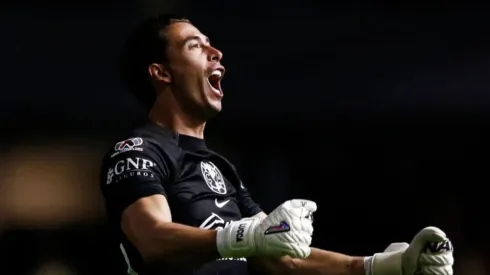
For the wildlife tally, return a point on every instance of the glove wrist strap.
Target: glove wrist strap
(367, 265)
(387, 263)
(237, 240)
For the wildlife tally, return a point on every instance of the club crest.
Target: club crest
(213, 178)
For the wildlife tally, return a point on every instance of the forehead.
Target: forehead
(178, 32)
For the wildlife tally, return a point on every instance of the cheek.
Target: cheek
(194, 63)
(189, 70)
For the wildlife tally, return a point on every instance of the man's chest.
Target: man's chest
(203, 194)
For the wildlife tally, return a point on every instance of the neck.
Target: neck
(177, 120)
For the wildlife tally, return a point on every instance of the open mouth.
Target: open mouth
(214, 80)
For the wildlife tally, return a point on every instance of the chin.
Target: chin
(208, 109)
(214, 108)
(212, 103)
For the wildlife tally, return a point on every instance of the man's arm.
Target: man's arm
(319, 262)
(148, 225)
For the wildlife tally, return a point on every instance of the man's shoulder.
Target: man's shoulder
(145, 140)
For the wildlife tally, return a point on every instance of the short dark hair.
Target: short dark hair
(146, 45)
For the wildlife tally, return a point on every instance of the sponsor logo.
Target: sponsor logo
(130, 167)
(213, 178)
(439, 247)
(232, 259)
(130, 144)
(220, 204)
(214, 222)
(282, 227)
(239, 232)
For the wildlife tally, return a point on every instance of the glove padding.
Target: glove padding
(430, 253)
(285, 231)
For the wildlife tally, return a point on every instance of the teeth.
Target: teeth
(216, 73)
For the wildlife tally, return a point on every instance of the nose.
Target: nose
(215, 55)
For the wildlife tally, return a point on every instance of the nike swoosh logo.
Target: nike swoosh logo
(220, 204)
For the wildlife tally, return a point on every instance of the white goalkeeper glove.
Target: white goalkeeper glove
(285, 231)
(430, 253)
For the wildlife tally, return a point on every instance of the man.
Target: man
(179, 208)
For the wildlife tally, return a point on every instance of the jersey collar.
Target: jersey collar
(191, 143)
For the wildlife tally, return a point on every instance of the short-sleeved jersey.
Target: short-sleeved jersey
(202, 188)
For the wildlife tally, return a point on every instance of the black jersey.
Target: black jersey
(202, 189)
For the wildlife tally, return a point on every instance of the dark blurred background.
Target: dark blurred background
(376, 111)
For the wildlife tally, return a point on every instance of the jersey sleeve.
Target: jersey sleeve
(132, 170)
(248, 207)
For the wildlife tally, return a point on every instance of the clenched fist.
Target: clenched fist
(285, 231)
(429, 253)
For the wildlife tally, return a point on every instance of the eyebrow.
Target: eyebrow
(195, 37)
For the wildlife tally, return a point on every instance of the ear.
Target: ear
(159, 72)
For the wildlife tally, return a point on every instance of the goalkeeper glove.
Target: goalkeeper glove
(430, 253)
(285, 231)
